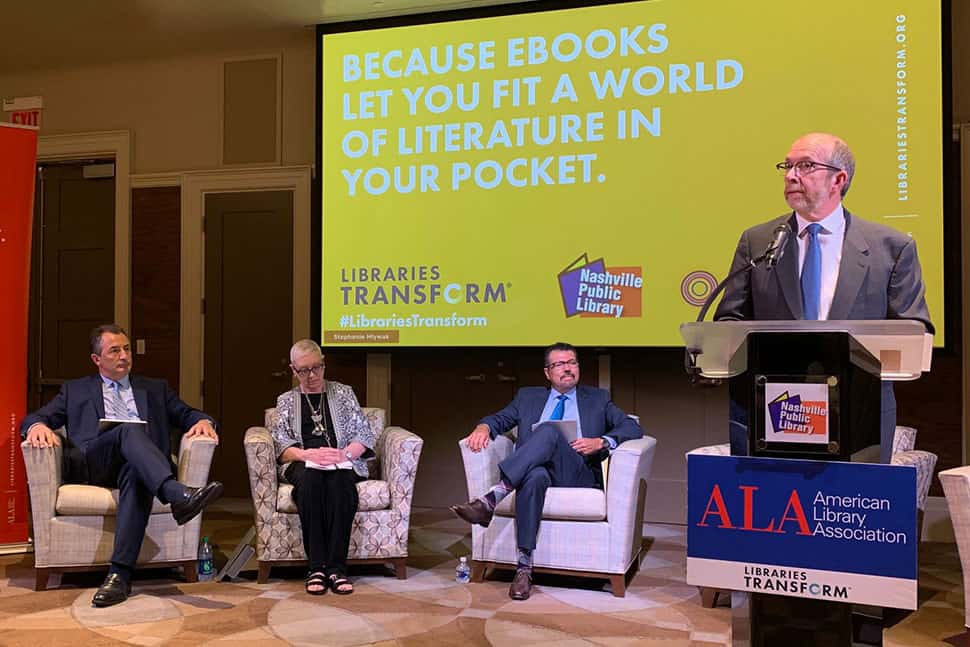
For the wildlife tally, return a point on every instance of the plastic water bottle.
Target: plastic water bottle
(462, 572)
(206, 570)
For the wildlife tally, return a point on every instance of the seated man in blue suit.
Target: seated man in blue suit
(543, 458)
(131, 457)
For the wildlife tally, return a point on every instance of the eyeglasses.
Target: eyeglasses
(305, 372)
(569, 362)
(803, 167)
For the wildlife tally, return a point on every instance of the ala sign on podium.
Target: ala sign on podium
(836, 531)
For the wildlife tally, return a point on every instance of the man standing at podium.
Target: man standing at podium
(834, 265)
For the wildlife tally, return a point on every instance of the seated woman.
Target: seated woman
(321, 437)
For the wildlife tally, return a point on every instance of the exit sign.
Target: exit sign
(25, 117)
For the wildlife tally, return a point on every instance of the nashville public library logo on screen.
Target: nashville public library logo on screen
(591, 289)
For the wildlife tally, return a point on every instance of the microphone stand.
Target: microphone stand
(690, 354)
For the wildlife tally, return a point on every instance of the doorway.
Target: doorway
(248, 318)
(72, 286)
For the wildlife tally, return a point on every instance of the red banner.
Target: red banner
(18, 159)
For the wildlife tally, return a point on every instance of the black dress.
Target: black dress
(326, 500)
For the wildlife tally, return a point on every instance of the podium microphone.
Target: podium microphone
(777, 248)
(770, 258)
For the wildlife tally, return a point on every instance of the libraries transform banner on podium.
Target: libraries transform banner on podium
(828, 530)
(18, 157)
(585, 173)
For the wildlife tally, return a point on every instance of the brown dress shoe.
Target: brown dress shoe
(521, 586)
(475, 511)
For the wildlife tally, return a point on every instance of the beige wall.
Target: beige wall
(171, 107)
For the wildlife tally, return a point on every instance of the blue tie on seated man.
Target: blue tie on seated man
(135, 457)
(542, 457)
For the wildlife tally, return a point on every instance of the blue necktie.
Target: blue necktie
(115, 405)
(560, 409)
(812, 274)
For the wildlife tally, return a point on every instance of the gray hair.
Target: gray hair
(304, 347)
(843, 158)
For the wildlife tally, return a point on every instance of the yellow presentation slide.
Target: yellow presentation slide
(585, 174)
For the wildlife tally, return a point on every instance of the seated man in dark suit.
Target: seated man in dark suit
(131, 457)
(543, 458)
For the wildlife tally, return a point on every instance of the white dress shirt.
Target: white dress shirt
(570, 410)
(830, 239)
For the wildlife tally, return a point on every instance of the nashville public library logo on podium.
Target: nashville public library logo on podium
(797, 412)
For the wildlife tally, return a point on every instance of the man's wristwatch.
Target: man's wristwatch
(350, 457)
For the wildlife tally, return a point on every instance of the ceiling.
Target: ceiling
(39, 34)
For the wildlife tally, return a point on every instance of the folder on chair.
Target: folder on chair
(568, 428)
(104, 424)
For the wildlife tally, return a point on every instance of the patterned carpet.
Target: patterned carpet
(428, 608)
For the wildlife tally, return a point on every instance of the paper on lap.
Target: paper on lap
(345, 465)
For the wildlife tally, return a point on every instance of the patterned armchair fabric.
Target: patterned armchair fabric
(380, 530)
(73, 525)
(585, 531)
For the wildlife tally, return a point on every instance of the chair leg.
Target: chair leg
(400, 567)
(191, 571)
(478, 572)
(708, 596)
(264, 568)
(618, 583)
(40, 578)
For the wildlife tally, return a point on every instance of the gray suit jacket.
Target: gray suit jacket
(879, 278)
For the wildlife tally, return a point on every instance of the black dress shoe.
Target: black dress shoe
(521, 587)
(186, 509)
(114, 590)
(475, 511)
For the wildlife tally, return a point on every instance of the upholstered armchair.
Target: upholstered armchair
(73, 525)
(380, 530)
(905, 453)
(956, 488)
(584, 531)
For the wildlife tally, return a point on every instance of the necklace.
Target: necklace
(316, 414)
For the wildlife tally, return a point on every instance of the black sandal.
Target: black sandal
(315, 579)
(338, 580)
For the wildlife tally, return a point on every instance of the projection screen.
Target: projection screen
(584, 174)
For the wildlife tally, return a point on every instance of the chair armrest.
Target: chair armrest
(924, 462)
(195, 459)
(481, 468)
(44, 469)
(43, 466)
(626, 494)
(261, 461)
(399, 451)
(630, 463)
(712, 450)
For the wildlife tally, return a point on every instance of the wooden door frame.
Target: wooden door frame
(195, 187)
(115, 144)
